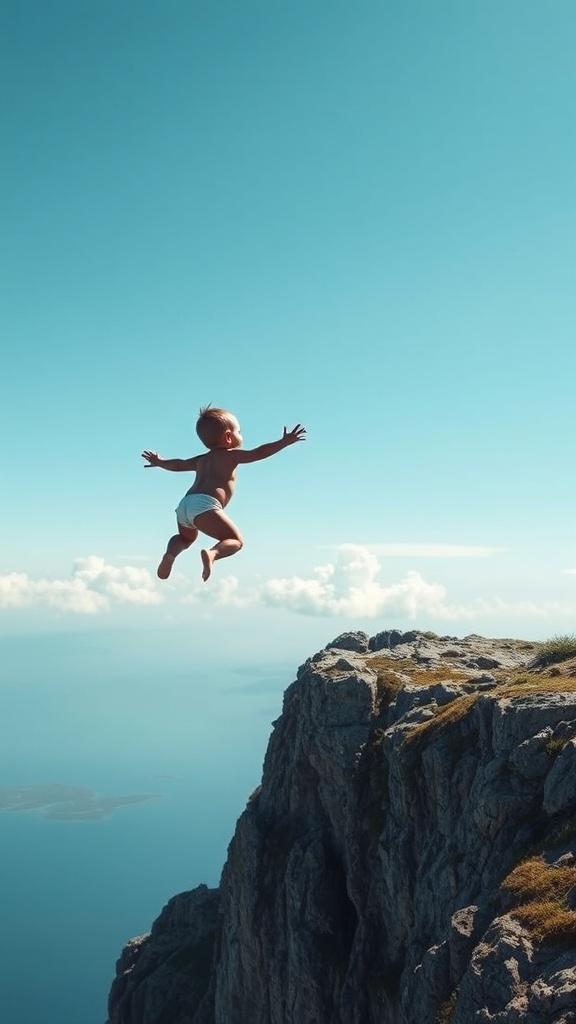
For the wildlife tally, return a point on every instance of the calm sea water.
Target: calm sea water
(73, 892)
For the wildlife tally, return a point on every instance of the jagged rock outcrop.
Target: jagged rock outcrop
(410, 857)
(162, 977)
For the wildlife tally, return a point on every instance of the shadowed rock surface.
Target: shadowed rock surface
(371, 877)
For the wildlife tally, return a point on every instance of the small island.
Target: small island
(67, 803)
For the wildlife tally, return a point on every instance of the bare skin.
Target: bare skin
(215, 476)
(214, 524)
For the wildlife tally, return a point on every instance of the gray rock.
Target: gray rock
(363, 882)
(509, 981)
(461, 941)
(494, 982)
(532, 758)
(165, 976)
(356, 641)
(560, 785)
(391, 638)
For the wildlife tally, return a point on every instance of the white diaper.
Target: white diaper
(193, 504)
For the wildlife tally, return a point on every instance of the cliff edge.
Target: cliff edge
(409, 858)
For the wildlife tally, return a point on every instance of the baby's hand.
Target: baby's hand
(152, 458)
(296, 434)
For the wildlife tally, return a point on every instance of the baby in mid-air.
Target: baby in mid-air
(202, 507)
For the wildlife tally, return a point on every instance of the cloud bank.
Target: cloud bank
(434, 550)
(350, 586)
(94, 586)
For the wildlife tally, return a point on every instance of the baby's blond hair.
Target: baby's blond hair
(212, 423)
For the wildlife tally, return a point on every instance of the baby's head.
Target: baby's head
(218, 428)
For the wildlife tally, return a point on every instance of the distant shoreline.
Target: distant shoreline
(67, 803)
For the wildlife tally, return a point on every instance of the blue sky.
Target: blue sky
(360, 217)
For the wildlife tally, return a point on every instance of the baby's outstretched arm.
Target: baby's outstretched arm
(175, 465)
(264, 451)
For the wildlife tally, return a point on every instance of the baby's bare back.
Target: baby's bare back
(216, 475)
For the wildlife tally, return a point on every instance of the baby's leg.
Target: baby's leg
(217, 525)
(176, 545)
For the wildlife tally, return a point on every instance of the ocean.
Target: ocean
(158, 758)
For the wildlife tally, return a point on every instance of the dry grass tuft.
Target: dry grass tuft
(541, 891)
(534, 878)
(393, 674)
(389, 685)
(410, 673)
(548, 921)
(524, 685)
(447, 1010)
(447, 715)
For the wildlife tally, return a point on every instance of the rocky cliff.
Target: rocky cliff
(410, 857)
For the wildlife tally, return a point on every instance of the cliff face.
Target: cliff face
(410, 857)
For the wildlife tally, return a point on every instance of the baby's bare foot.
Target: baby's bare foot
(207, 559)
(165, 568)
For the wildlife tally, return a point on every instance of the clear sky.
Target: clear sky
(356, 216)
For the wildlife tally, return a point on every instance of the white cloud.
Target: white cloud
(134, 558)
(350, 587)
(434, 550)
(227, 591)
(92, 587)
(568, 572)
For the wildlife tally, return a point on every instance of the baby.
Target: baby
(202, 508)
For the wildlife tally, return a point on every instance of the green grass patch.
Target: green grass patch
(557, 649)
